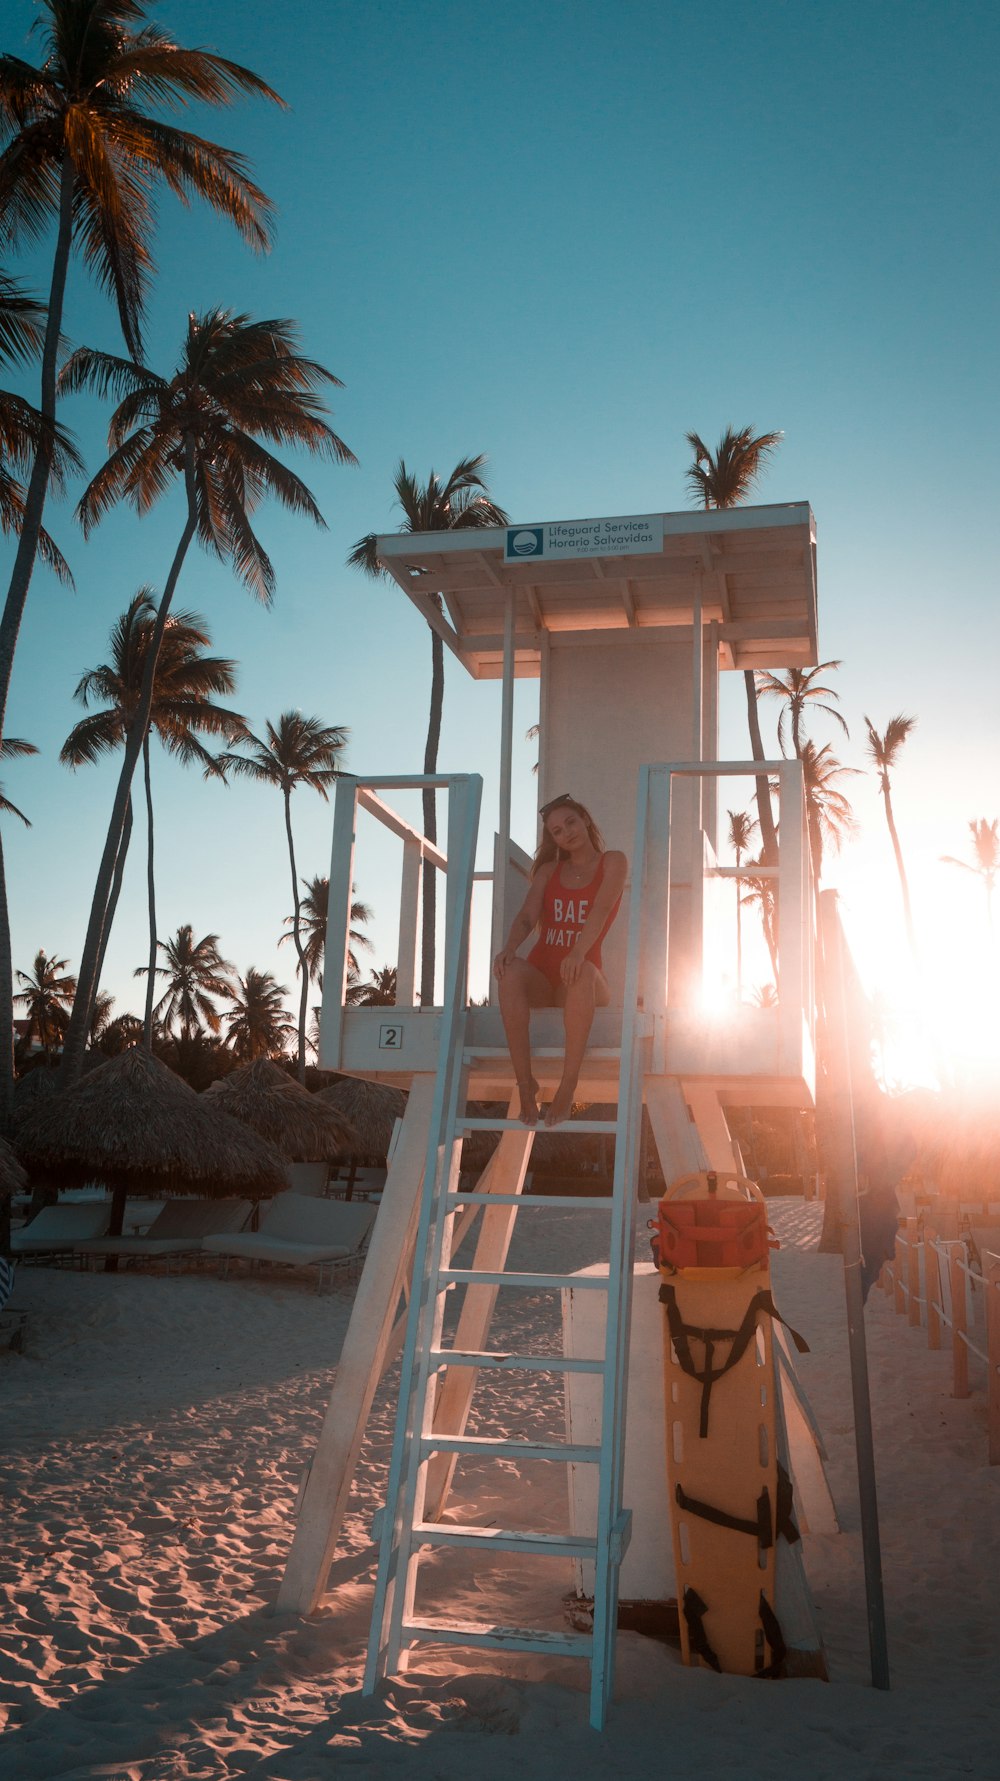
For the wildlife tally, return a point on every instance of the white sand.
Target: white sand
(155, 1432)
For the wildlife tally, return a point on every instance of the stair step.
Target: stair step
(565, 1202)
(571, 1128)
(489, 1361)
(438, 1533)
(557, 1052)
(486, 1447)
(490, 1277)
(482, 1634)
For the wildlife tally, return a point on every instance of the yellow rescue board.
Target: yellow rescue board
(727, 1469)
(722, 1457)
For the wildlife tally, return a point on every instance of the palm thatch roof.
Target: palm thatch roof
(133, 1123)
(303, 1127)
(13, 1179)
(372, 1108)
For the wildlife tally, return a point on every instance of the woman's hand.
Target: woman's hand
(572, 965)
(502, 960)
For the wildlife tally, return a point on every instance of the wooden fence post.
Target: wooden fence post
(992, 1285)
(932, 1289)
(913, 1271)
(959, 1322)
(898, 1295)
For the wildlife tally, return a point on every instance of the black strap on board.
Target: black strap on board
(682, 1334)
(761, 1528)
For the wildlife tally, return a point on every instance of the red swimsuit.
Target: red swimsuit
(564, 915)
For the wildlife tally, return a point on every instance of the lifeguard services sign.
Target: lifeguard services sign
(633, 535)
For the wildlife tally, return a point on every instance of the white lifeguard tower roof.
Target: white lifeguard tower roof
(750, 569)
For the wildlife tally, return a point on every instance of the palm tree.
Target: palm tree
(239, 382)
(829, 816)
(194, 972)
(11, 748)
(765, 996)
(299, 751)
(797, 691)
(986, 850)
(461, 503)
(763, 893)
(181, 709)
(312, 928)
(258, 1021)
(79, 145)
(884, 752)
(378, 992)
(22, 331)
(741, 829)
(725, 480)
(47, 997)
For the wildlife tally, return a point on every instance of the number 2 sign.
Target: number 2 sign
(390, 1038)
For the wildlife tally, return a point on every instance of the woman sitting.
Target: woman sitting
(576, 890)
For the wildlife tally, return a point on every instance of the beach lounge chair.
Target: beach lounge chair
(56, 1230)
(300, 1231)
(178, 1230)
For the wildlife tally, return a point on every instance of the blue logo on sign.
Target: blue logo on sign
(524, 541)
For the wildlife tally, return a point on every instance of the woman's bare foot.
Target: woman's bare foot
(527, 1112)
(560, 1106)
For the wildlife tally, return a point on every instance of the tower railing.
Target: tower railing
(353, 794)
(671, 959)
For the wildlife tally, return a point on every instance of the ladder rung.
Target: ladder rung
(567, 1202)
(489, 1277)
(496, 1638)
(570, 1128)
(487, 1448)
(438, 1533)
(513, 1363)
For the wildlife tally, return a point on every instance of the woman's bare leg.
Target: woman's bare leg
(521, 989)
(579, 1000)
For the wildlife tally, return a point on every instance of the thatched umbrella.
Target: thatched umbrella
(13, 1179)
(135, 1126)
(303, 1127)
(372, 1108)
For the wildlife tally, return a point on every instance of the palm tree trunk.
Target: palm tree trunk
(901, 869)
(34, 503)
(429, 924)
(79, 1025)
(768, 835)
(147, 1019)
(20, 580)
(116, 889)
(297, 938)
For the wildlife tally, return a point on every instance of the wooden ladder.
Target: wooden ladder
(438, 1381)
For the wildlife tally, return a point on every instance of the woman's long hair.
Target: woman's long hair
(547, 849)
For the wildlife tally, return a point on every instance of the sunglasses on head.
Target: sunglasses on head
(556, 803)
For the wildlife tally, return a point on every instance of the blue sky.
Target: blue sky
(565, 235)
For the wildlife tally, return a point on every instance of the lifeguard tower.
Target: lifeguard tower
(628, 623)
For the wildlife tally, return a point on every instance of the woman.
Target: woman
(576, 890)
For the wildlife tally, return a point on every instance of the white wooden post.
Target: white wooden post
(959, 1323)
(991, 1281)
(792, 886)
(409, 925)
(338, 922)
(387, 1266)
(913, 1272)
(506, 755)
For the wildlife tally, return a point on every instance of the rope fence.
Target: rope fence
(941, 1284)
